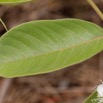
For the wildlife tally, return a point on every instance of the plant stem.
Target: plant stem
(95, 7)
(3, 24)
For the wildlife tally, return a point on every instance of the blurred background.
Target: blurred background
(70, 85)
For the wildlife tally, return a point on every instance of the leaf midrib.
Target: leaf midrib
(88, 41)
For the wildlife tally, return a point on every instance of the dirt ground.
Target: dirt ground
(70, 85)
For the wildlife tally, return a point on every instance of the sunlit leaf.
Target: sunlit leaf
(43, 46)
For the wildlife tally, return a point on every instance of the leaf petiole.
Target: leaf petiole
(3, 24)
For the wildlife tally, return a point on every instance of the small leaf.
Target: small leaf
(13, 1)
(92, 98)
(43, 46)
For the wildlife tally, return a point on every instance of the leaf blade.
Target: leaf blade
(45, 46)
(91, 98)
(12, 1)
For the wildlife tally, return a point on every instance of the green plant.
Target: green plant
(47, 45)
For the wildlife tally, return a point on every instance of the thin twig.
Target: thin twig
(95, 7)
(3, 24)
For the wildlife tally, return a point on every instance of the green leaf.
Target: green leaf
(91, 98)
(43, 46)
(13, 1)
